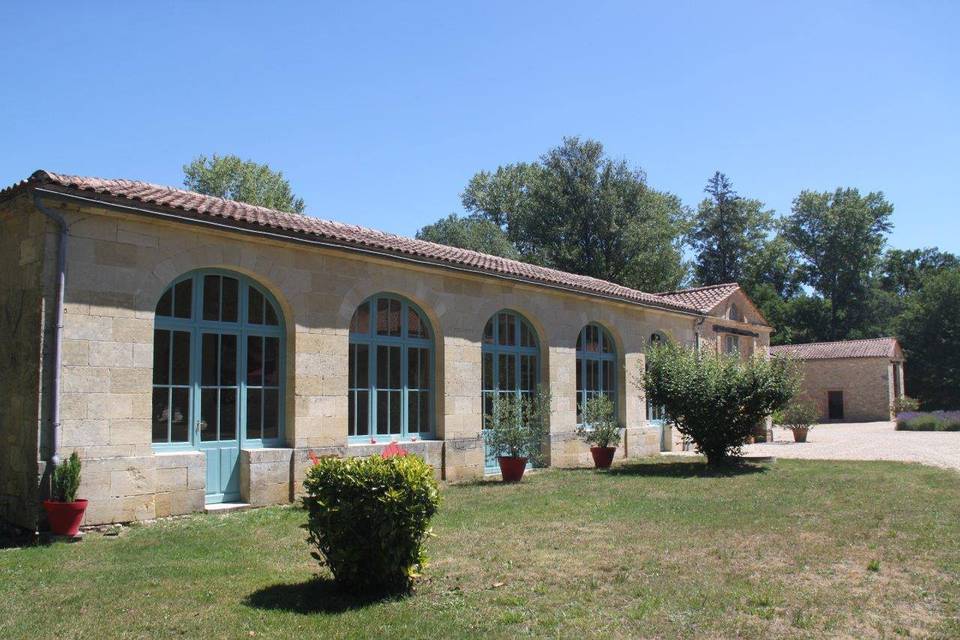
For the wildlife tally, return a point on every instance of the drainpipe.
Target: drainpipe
(58, 332)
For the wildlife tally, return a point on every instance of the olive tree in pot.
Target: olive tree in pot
(601, 430)
(64, 510)
(515, 430)
(799, 416)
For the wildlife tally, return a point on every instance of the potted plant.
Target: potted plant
(600, 429)
(799, 416)
(65, 511)
(515, 429)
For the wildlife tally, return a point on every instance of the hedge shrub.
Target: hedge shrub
(369, 518)
(932, 421)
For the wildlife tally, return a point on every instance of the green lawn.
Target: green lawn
(652, 549)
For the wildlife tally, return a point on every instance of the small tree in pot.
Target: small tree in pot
(601, 430)
(64, 510)
(799, 416)
(515, 430)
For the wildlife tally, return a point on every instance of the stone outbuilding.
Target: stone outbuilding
(194, 350)
(850, 380)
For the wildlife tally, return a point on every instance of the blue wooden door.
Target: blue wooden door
(218, 413)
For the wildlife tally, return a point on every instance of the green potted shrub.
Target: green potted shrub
(64, 510)
(515, 429)
(799, 416)
(601, 430)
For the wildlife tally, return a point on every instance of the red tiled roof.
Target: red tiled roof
(872, 348)
(196, 206)
(704, 299)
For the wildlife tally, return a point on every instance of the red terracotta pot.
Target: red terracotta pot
(65, 517)
(512, 468)
(800, 435)
(603, 456)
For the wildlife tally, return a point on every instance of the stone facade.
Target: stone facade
(867, 385)
(118, 265)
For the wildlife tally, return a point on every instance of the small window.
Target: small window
(731, 345)
(734, 313)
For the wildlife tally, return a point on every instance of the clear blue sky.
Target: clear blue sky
(380, 113)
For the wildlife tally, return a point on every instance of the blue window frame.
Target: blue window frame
(596, 366)
(391, 372)
(511, 362)
(218, 363)
(656, 415)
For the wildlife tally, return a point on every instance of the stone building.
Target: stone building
(194, 350)
(851, 380)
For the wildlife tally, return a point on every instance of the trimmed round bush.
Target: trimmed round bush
(369, 518)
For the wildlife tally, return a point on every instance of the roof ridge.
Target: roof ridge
(804, 344)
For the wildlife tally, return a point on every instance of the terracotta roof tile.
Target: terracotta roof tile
(704, 299)
(872, 348)
(242, 215)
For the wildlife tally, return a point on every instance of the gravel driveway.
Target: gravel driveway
(866, 441)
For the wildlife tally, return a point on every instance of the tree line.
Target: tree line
(821, 272)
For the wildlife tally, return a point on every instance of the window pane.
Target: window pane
(413, 368)
(579, 374)
(231, 300)
(383, 367)
(165, 306)
(363, 413)
(208, 414)
(183, 299)
(228, 414)
(488, 371)
(161, 357)
(608, 381)
(211, 298)
(415, 325)
(413, 412)
(508, 329)
(424, 412)
(351, 409)
(180, 416)
(526, 335)
(271, 361)
(488, 332)
(395, 372)
(580, 339)
(161, 413)
(388, 317)
(361, 319)
(424, 368)
(395, 413)
(363, 366)
(254, 306)
(255, 361)
(271, 413)
(254, 409)
(209, 357)
(383, 411)
(181, 357)
(272, 318)
(228, 359)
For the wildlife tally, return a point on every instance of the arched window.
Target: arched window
(734, 313)
(218, 362)
(390, 370)
(511, 361)
(655, 413)
(596, 366)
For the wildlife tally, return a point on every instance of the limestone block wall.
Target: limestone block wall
(866, 384)
(119, 265)
(24, 243)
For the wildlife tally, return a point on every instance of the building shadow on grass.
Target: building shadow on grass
(686, 469)
(317, 595)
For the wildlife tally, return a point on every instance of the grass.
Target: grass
(652, 549)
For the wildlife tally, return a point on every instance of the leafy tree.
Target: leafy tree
(840, 236)
(729, 229)
(773, 263)
(902, 272)
(930, 335)
(577, 210)
(469, 232)
(241, 180)
(715, 399)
